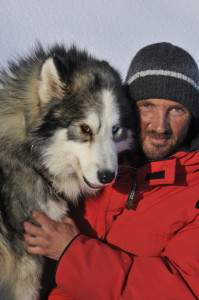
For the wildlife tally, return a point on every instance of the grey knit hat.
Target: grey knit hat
(165, 71)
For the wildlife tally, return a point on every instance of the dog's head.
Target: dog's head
(86, 122)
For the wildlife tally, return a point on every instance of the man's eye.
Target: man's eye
(86, 129)
(177, 110)
(145, 106)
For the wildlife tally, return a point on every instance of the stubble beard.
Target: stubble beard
(153, 151)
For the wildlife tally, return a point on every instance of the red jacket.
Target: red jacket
(150, 251)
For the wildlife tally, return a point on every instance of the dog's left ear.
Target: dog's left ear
(50, 84)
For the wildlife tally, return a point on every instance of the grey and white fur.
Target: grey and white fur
(63, 120)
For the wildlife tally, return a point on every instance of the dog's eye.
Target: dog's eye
(86, 129)
(115, 129)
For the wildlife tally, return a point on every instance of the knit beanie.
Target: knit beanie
(165, 71)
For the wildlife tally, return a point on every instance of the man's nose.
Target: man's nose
(160, 122)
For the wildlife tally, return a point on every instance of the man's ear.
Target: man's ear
(50, 84)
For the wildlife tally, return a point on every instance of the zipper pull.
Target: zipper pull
(131, 195)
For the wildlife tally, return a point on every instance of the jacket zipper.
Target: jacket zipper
(131, 195)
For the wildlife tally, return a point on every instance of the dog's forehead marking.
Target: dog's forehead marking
(93, 121)
(109, 114)
(110, 107)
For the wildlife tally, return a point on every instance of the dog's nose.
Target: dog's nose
(105, 176)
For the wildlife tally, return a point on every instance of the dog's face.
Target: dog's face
(82, 130)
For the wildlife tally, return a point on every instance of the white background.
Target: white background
(113, 30)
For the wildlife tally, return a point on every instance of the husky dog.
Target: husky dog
(63, 120)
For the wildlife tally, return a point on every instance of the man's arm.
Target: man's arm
(90, 269)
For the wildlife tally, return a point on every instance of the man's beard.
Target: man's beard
(155, 151)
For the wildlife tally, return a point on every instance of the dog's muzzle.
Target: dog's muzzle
(105, 177)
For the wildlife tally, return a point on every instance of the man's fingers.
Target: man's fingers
(31, 240)
(41, 218)
(32, 229)
(51, 238)
(35, 250)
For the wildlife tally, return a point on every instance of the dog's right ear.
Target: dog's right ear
(50, 83)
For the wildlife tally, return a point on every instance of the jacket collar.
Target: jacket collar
(165, 171)
(157, 172)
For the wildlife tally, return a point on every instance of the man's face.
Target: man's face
(164, 126)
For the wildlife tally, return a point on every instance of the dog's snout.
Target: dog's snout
(105, 176)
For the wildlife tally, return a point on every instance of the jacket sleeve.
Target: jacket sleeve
(90, 269)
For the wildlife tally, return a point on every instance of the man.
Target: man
(141, 236)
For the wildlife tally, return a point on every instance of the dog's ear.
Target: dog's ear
(50, 83)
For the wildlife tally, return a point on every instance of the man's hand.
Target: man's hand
(51, 238)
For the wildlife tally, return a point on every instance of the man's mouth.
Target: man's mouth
(158, 140)
(92, 186)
